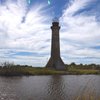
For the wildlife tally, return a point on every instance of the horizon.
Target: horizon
(25, 34)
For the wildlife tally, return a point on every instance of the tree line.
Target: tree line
(84, 66)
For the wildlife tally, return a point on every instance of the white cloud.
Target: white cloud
(80, 32)
(75, 5)
(23, 28)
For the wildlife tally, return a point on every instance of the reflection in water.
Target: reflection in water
(56, 88)
(65, 87)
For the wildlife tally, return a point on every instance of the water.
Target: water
(65, 87)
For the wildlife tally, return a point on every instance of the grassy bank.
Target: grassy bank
(15, 71)
(29, 71)
(83, 71)
(9, 69)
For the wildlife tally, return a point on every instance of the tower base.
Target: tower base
(57, 65)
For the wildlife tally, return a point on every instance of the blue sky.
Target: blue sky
(25, 34)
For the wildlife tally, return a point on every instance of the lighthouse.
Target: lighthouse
(55, 61)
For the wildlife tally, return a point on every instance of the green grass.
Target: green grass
(14, 71)
(83, 71)
(29, 71)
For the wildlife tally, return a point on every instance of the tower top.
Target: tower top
(55, 20)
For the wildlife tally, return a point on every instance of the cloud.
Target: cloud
(80, 32)
(23, 28)
(75, 5)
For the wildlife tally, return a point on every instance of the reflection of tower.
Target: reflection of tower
(55, 61)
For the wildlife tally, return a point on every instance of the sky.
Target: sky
(25, 34)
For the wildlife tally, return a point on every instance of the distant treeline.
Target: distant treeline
(84, 66)
(10, 65)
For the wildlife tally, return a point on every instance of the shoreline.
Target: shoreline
(44, 71)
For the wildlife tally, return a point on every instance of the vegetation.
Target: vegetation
(83, 69)
(9, 69)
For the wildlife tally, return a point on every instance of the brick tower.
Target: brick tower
(55, 62)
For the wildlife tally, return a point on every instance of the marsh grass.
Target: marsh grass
(29, 70)
(90, 95)
(80, 71)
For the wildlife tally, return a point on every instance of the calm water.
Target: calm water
(66, 87)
